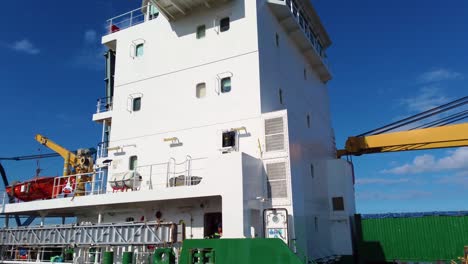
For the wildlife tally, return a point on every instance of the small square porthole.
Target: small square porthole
(201, 90)
(225, 24)
(136, 104)
(229, 139)
(226, 85)
(201, 31)
(139, 50)
(338, 203)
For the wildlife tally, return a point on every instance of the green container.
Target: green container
(414, 239)
(127, 258)
(108, 258)
(245, 251)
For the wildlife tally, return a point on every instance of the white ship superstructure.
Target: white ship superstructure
(216, 116)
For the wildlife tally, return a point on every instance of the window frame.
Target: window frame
(225, 27)
(197, 89)
(137, 48)
(198, 35)
(222, 81)
(132, 162)
(338, 204)
(134, 100)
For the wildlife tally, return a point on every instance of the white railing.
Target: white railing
(79, 185)
(104, 104)
(189, 172)
(305, 26)
(130, 19)
(102, 149)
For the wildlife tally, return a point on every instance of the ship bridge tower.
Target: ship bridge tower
(216, 120)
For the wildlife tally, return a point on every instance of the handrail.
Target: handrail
(104, 104)
(124, 14)
(129, 19)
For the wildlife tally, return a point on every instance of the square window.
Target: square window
(133, 163)
(201, 90)
(229, 139)
(225, 24)
(338, 203)
(139, 50)
(136, 104)
(201, 31)
(226, 85)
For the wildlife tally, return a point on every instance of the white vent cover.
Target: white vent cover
(277, 184)
(274, 134)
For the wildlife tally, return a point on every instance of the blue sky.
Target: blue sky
(389, 59)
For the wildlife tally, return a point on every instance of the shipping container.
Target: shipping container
(420, 237)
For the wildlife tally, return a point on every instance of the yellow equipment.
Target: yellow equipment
(79, 163)
(418, 139)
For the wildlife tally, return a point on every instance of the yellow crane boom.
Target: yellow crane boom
(418, 139)
(68, 156)
(82, 162)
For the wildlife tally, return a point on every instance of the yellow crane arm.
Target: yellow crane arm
(68, 156)
(418, 139)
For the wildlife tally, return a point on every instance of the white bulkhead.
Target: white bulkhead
(215, 113)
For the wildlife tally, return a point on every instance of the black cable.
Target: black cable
(442, 120)
(453, 121)
(32, 157)
(417, 117)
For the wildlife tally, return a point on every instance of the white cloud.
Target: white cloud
(90, 36)
(456, 160)
(438, 75)
(427, 98)
(457, 179)
(381, 181)
(91, 55)
(379, 195)
(25, 46)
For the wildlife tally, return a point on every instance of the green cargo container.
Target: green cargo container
(233, 251)
(427, 237)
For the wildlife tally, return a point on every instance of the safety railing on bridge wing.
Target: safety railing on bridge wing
(132, 18)
(102, 149)
(79, 185)
(104, 104)
(305, 26)
(188, 172)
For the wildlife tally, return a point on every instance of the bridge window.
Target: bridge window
(201, 90)
(136, 105)
(133, 163)
(139, 50)
(225, 24)
(201, 31)
(226, 85)
(338, 203)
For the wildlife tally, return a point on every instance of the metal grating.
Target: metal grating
(274, 134)
(277, 184)
(150, 233)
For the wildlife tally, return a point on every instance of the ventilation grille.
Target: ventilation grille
(274, 134)
(276, 173)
